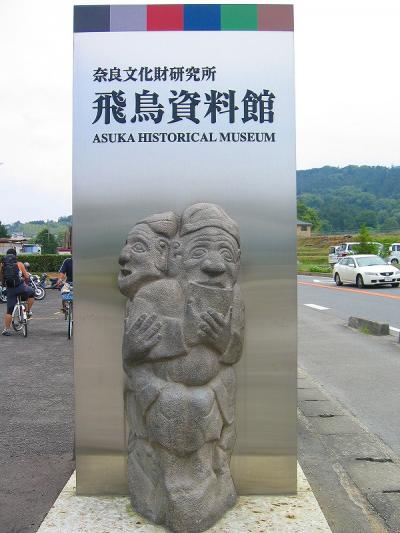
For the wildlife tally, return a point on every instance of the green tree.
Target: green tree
(366, 245)
(3, 231)
(47, 241)
(390, 224)
(308, 214)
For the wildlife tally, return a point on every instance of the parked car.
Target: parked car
(364, 270)
(350, 248)
(394, 253)
(333, 255)
(346, 248)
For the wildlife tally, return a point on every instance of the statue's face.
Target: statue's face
(143, 259)
(210, 256)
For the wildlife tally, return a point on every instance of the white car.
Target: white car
(333, 255)
(365, 270)
(394, 251)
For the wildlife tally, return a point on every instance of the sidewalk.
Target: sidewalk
(348, 425)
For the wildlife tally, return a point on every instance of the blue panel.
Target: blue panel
(91, 18)
(202, 17)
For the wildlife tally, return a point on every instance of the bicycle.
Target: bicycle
(68, 299)
(3, 294)
(19, 317)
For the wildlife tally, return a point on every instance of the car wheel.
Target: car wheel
(338, 281)
(360, 282)
(394, 261)
(395, 285)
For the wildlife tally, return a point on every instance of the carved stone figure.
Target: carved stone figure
(183, 332)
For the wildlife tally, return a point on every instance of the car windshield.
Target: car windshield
(370, 261)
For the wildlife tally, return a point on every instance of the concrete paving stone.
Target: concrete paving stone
(373, 477)
(305, 383)
(301, 373)
(388, 506)
(310, 394)
(337, 424)
(323, 407)
(344, 507)
(355, 445)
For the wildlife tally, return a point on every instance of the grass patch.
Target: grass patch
(365, 330)
(312, 267)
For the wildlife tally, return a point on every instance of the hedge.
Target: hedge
(42, 263)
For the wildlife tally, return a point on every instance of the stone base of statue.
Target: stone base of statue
(183, 332)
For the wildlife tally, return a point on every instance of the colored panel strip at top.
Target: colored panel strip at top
(128, 18)
(202, 17)
(239, 17)
(91, 18)
(274, 17)
(165, 18)
(179, 17)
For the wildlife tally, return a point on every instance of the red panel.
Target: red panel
(165, 17)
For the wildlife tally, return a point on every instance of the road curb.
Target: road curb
(395, 332)
(369, 326)
(318, 274)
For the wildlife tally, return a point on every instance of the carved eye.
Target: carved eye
(227, 254)
(197, 253)
(139, 247)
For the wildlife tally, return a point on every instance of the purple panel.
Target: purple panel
(128, 18)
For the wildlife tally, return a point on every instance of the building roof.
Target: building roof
(302, 223)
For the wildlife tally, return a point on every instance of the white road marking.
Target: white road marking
(316, 280)
(318, 307)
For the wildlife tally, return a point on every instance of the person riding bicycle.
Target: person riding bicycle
(65, 277)
(66, 270)
(13, 274)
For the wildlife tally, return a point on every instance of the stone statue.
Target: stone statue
(183, 332)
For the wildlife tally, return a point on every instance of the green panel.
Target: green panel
(239, 17)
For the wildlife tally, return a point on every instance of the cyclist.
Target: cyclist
(66, 276)
(66, 270)
(13, 274)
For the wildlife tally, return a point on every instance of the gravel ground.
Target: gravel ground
(36, 417)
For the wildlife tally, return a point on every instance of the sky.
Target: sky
(347, 94)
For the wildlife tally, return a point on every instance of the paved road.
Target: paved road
(36, 418)
(379, 304)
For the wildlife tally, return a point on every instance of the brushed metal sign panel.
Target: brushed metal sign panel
(117, 184)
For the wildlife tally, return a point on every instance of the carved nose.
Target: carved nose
(123, 259)
(213, 268)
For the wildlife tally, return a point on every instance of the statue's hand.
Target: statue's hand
(216, 328)
(142, 335)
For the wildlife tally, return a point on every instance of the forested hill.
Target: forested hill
(345, 198)
(31, 229)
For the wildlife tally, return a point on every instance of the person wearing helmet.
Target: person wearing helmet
(15, 277)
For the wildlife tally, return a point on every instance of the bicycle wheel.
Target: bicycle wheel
(70, 320)
(17, 318)
(25, 324)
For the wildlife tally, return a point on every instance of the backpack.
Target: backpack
(11, 274)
